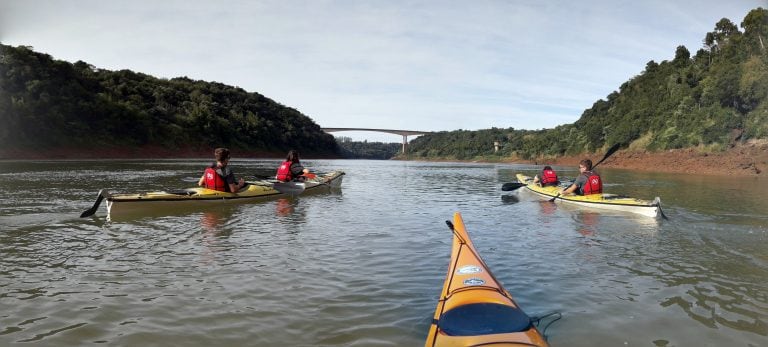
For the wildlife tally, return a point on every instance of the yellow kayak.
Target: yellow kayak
(136, 203)
(474, 309)
(151, 201)
(601, 201)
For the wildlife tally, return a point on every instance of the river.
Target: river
(364, 265)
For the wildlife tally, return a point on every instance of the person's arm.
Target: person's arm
(579, 181)
(234, 187)
(536, 179)
(201, 182)
(569, 190)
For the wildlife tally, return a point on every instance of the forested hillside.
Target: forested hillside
(367, 150)
(717, 97)
(47, 103)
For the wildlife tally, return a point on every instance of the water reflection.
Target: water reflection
(510, 198)
(547, 208)
(587, 222)
(285, 207)
(214, 228)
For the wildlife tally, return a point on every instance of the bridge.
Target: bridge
(404, 133)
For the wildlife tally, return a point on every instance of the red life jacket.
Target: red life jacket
(214, 181)
(548, 177)
(593, 185)
(284, 172)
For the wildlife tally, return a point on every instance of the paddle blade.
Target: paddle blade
(89, 212)
(610, 152)
(657, 202)
(553, 199)
(511, 186)
(290, 188)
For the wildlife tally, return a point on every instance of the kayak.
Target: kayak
(131, 203)
(135, 203)
(601, 201)
(474, 309)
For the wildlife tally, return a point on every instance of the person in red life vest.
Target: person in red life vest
(218, 176)
(548, 177)
(587, 183)
(291, 169)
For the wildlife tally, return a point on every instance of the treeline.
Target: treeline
(46, 103)
(367, 150)
(714, 98)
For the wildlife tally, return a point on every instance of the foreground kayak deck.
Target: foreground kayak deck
(601, 201)
(474, 309)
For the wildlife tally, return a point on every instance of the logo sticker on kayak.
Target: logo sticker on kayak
(474, 281)
(469, 269)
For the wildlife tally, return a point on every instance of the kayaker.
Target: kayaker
(218, 176)
(587, 183)
(548, 177)
(291, 169)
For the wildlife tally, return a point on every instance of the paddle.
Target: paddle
(610, 152)
(511, 186)
(89, 212)
(657, 202)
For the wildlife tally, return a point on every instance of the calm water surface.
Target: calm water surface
(363, 266)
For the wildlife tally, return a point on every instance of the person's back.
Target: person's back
(588, 182)
(291, 169)
(218, 176)
(548, 177)
(214, 178)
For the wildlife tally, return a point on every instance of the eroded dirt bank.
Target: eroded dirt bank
(749, 159)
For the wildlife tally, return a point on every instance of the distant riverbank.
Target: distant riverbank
(750, 159)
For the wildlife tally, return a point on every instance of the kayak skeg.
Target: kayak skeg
(474, 309)
(601, 201)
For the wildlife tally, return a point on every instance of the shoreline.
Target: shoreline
(744, 160)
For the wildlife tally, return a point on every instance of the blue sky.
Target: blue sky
(415, 65)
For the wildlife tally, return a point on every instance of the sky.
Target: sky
(408, 65)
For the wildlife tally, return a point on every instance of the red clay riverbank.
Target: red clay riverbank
(749, 159)
(745, 160)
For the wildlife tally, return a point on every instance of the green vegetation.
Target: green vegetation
(367, 150)
(47, 103)
(711, 100)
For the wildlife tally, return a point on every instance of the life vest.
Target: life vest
(214, 181)
(593, 185)
(548, 177)
(284, 172)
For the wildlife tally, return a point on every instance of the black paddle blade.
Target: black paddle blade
(89, 212)
(511, 186)
(553, 199)
(657, 201)
(610, 152)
